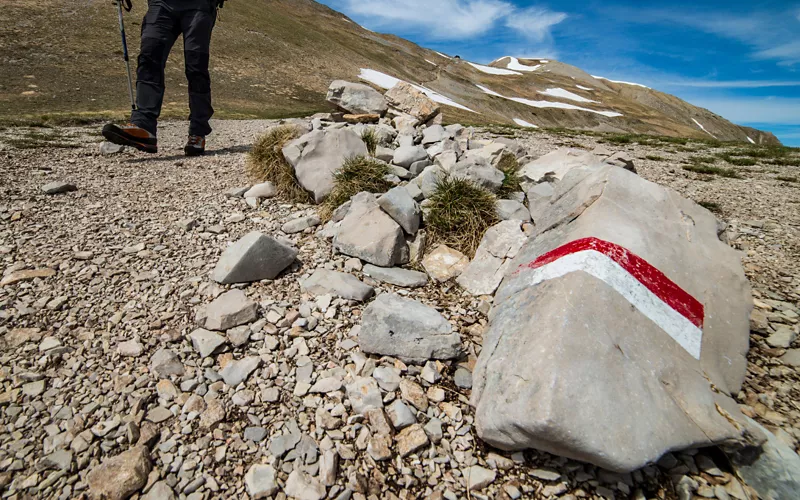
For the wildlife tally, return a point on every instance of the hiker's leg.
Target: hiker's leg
(197, 27)
(160, 29)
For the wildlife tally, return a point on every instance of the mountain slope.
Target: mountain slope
(277, 57)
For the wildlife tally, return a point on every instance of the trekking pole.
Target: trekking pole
(125, 51)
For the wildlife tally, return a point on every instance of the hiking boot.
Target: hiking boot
(131, 135)
(195, 146)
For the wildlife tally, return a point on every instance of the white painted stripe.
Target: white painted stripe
(597, 264)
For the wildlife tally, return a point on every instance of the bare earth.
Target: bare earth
(125, 271)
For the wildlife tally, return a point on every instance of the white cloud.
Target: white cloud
(788, 53)
(535, 23)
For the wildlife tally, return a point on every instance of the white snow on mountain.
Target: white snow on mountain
(493, 71)
(703, 128)
(548, 104)
(523, 123)
(515, 65)
(387, 82)
(565, 94)
(583, 88)
(618, 81)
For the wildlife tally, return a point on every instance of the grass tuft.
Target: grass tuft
(788, 179)
(700, 168)
(655, 158)
(509, 165)
(357, 174)
(265, 162)
(370, 138)
(459, 214)
(710, 206)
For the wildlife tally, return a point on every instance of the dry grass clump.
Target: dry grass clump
(265, 162)
(509, 165)
(357, 174)
(459, 214)
(371, 140)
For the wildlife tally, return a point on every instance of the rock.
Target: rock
(434, 134)
(394, 326)
(539, 197)
(443, 263)
(411, 101)
(26, 275)
(255, 257)
(58, 460)
(109, 148)
(501, 243)
(414, 394)
(213, 415)
(130, 349)
(166, 363)
(555, 165)
(463, 378)
(478, 478)
(230, 310)
(791, 358)
(512, 210)
(364, 394)
(346, 286)
(388, 378)
(206, 342)
(120, 477)
(622, 160)
(239, 336)
(356, 98)
(301, 224)
(379, 448)
(772, 469)
(434, 430)
(160, 491)
(301, 486)
(428, 180)
(59, 188)
(400, 415)
(236, 372)
(783, 337)
(418, 167)
(262, 191)
(480, 172)
(317, 155)
(363, 118)
(401, 207)
(396, 276)
(384, 154)
(326, 385)
(411, 439)
(405, 156)
(594, 329)
(260, 481)
(368, 233)
(33, 389)
(328, 467)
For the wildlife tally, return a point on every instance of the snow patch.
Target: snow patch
(446, 57)
(618, 81)
(431, 62)
(523, 123)
(548, 104)
(489, 91)
(751, 140)
(387, 82)
(565, 94)
(703, 128)
(493, 71)
(583, 88)
(515, 65)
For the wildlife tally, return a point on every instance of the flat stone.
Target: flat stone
(59, 187)
(791, 358)
(478, 478)
(512, 210)
(773, 473)
(406, 98)
(301, 486)
(130, 349)
(487, 270)
(260, 481)
(239, 336)
(255, 434)
(443, 263)
(369, 234)
(405, 156)
(109, 148)
(34, 389)
(160, 491)
(397, 276)
(364, 394)
(783, 337)
(388, 378)
(379, 448)
(326, 385)
(463, 378)
(301, 224)
(166, 363)
(346, 286)
(411, 439)
(58, 460)
(398, 203)
(159, 414)
(255, 257)
(26, 275)
(356, 98)
(206, 342)
(119, 477)
(400, 415)
(230, 310)
(262, 191)
(213, 414)
(236, 372)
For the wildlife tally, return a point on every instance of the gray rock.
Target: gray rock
(783, 337)
(400, 415)
(772, 469)
(119, 477)
(130, 348)
(405, 156)
(109, 148)
(165, 364)
(356, 98)
(229, 310)
(555, 165)
(443, 263)
(394, 326)
(364, 394)
(255, 257)
(301, 486)
(429, 179)
(384, 153)
(317, 155)
(463, 378)
(59, 188)
(397, 276)
(539, 198)
(261, 191)
(418, 167)
(406, 98)
(593, 334)
(433, 134)
(622, 160)
(160, 491)
(206, 342)
(260, 481)
(434, 430)
(478, 478)
(346, 286)
(237, 192)
(388, 378)
(512, 210)
(500, 243)
(791, 358)
(301, 224)
(480, 172)
(58, 460)
(236, 372)
(239, 336)
(368, 233)
(414, 191)
(401, 207)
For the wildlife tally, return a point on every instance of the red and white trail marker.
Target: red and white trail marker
(665, 303)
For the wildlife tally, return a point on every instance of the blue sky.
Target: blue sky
(740, 59)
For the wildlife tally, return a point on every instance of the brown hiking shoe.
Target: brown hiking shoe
(131, 135)
(195, 146)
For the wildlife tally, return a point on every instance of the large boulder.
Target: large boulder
(356, 98)
(410, 330)
(317, 155)
(555, 165)
(255, 257)
(620, 331)
(406, 98)
(368, 233)
(480, 172)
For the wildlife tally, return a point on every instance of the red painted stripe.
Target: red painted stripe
(655, 281)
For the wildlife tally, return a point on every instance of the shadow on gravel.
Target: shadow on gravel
(176, 157)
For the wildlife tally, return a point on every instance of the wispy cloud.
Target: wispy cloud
(535, 23)
(733, 84)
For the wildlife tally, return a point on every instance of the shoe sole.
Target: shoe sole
(192, 152)
(121, 140)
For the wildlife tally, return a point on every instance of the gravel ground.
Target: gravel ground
(127, 278)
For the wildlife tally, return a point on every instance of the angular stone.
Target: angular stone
(594, 330)
(379, 448)
(434, 134)
(397, 276)
(388, 377)
(119, 477)
(260, 481)
(326, 385)
(772, 469)
(160, 491)
(406, 98)
(239, 336)
(394, 326)
(301, 224)
(622, 160)
(401, 207)
(480, 172)
(478, 478)
(59, 188)
(368, 233)
(434, 430)
(791, 358)
(512, 210)
(405, 156)
(356, 98)
(344, 285)
(443, 263)
(255, 257)
(130, 349)
(400, 415)
(213, 415)
(109, 148)
(539, 197)
(428, 180)
(58, 460)
(361, 119)
(555, 165)
(236, 372)
(783, 337)
(301, 486)
(414, 394)
(500, 243)
(166, 363)
(411, 439)
(463, 378)
(364, 394)
(230, 310)
(26, 275)
(261, 191)
(206, 342)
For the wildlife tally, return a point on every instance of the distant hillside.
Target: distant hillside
(275, 58)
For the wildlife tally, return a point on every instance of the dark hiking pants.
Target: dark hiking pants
(161, 27)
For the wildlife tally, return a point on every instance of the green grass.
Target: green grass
(459, 214)
(736, 160)
(786, 162)
(702, 159)
(700, 168)
(39, 140)
(266, 162)
(357, 174)
(371, 140)
(509, 165)
(788, 179)
(655, 158)
(710, 206)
